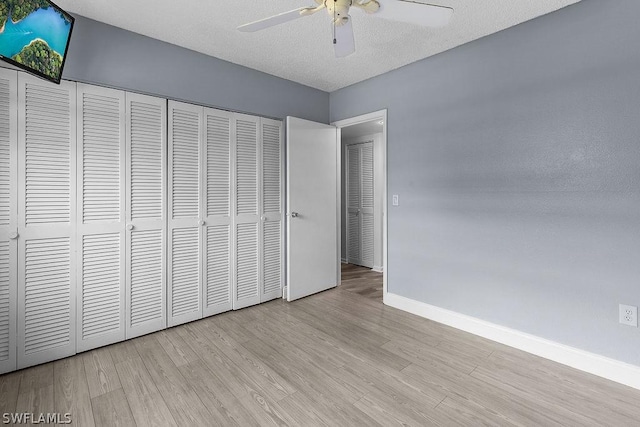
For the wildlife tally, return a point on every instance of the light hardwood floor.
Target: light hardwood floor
(337, 358)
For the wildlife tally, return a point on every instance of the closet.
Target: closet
(123, 214)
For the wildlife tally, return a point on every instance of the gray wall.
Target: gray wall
(106, 55)
(517, 162)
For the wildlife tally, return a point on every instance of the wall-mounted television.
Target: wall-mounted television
(34, 35)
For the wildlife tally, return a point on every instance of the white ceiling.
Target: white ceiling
(302, 50)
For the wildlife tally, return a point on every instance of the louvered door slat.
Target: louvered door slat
(47, 136)
(47, 295)
(47, 213)
(101, 213)
(272, 259)
(271, 168)
(218, 165)
(218, 279)
(8, 217)
(186, 164)
(366, 175)
(146, 119)
(246, 167)
(186, 199)
(247, 291)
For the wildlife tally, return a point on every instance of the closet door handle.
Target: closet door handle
(201, 222)
(14, 236)
(130, 227)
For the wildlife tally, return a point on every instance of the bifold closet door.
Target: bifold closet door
(366, 204)
(146, 119)
(184, 272)
(8, 218)
(219, 132)
(360, 200)
(246, 290)
(101, 217)
(46, 220)
(354, 255)
(272, 253)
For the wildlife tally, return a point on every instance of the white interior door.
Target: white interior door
(46, 220)
(272, 254)
(313, 203)
(247, 219)
(366, 205)
(184, 273)
(8, 218)
(219, 132)
(354, 187)
(146, 214)
(101, 217)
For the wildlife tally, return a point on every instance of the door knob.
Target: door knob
(130, 227)
(201, 222)
(263, 218)
(294, 214)
(14, 235)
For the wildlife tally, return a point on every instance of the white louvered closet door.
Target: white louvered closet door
(46, 220)
(184, 272)
(360, 200)
(366, 204)
(219, 132)
(272, 253)
(8, 218)
(146, 196)
(354, 253)
(246, 289)
(101, 217)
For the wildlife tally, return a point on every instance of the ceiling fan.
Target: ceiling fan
(411, 12)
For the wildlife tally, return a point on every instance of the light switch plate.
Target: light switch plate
(396, 200)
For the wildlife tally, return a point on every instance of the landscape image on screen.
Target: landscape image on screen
(34, 34)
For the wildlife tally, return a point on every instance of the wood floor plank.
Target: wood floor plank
(36, 401)
(259, 404)
(122, 351)
(269, 380)
(175, 347)
(184, 404)
(229, 410)
(101, 372)
(36, 377)
(459, 411)
(71, 391)
(112, 410)
(145, 401)
(9, 388)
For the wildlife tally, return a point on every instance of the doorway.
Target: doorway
(363, 203)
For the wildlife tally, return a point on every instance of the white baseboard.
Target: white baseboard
(344, 261)
(592, 363)
(378, 269)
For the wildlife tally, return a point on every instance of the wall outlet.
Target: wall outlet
(629, 315)
(395, 200)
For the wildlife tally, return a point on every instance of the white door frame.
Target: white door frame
(376, 115)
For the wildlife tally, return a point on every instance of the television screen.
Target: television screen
(34, 35)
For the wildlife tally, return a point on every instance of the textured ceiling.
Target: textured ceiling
(302, 50)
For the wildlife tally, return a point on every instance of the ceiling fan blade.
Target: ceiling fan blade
(271, 21)
(423, 14)
(345, 43)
